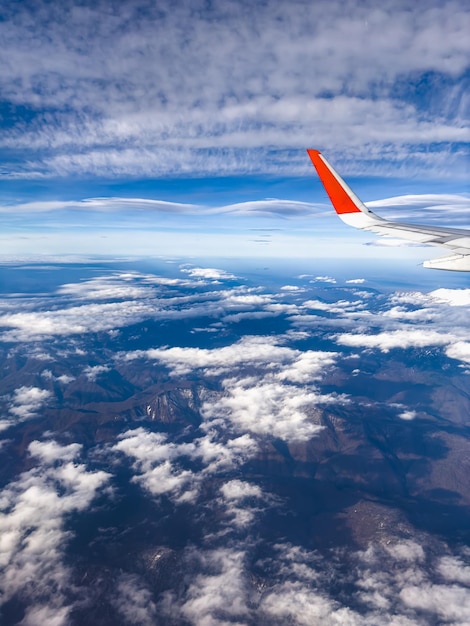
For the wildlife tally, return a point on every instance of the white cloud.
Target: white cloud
(87, 318)
(265, 407)
(406, 550)
(106, 288)
(158, 462)
(278, 308)
(427, 207)
(125, 299)
(134, 601)
(239, 490)
(274, 400)
(103, 205)
(155, 462)
(33, 510)
(390, 242)
(407, 320)
(65, 379)
(323, 279)
(249, 350)
(293, 602)
(307, 367)
(407, 415)
(209, 273)
(404, 338)
(255, 315)
(390, 583)
(217, 595)
(292, 288)
(454, 297)
(453, 569)
(92, 372)
(449, 603)
(50, 451)
(226, 453)
(459, 350)
(401, 313)
(144, 208)
(241, 500)
(24, 404)
(393, 587)
(340, 306)
(149, 96)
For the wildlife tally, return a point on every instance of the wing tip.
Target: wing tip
(343, 199)
(316, 157)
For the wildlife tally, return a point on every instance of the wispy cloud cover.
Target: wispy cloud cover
(190, 88)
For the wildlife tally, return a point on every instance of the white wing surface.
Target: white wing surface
(354, 213)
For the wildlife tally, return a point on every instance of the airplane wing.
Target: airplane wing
(354, 213)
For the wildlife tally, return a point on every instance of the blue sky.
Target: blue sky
(181, 127)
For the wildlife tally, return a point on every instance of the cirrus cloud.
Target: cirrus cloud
(149, 96)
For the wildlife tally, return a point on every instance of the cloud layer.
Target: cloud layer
(220, 451)
(195, 89)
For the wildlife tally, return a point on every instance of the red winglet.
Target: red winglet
(339, 196)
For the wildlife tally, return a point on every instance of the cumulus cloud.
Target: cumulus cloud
(291, 288)
(217, 593)
(263, 407)
(50, 451)
(118, 287)
(459, 350)
(453, 569)
(408, 320)
(92, 372)
(449, 603)
(208, 272)
(252, 350)
(406, 550)
(407, 415)
(340, 306)
(24, 404)
(241, 501)
(247, 392)
(392, 584)
(236, 490)
(65, 379)
(406, 338)
(34, 326)
(294, 602)
(392, 581)
(33, 512)
(134, 601)
(159, 462)
(454, 297)
(324, 279)
(154, 459)
(278, 399)
(126, 299)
